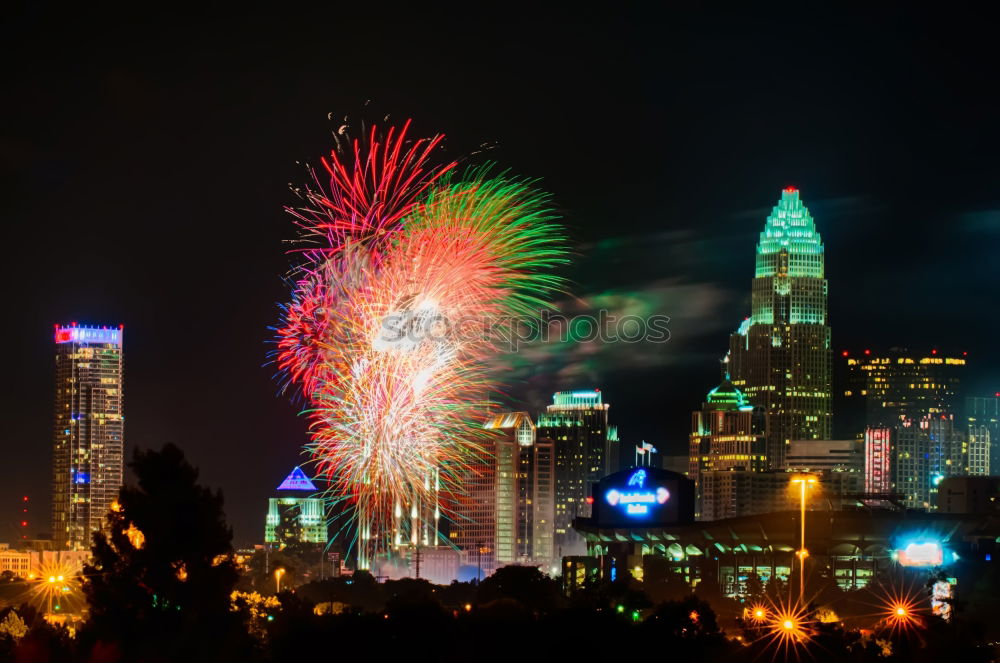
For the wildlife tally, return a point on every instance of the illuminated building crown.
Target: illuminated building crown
(790, 228)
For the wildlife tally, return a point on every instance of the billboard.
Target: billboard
(643, 497)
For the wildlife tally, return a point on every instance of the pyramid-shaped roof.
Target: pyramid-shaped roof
(297, 480)
(791, 227)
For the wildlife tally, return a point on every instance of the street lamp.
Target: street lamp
(802, 553)
(277, 580)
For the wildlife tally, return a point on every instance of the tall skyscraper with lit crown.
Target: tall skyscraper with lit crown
(780, 357)
(88, 444)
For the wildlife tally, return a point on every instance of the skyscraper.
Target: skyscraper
(924, 452)
(87, 445)
(780, 356)
(505, 514)
(296, 514)
(726, 436)
(577, 423)
(983, 421)
(898, 384)
(905, 405)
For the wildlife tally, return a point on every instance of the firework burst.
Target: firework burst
(371, 184)
(391, 328)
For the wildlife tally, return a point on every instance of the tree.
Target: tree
(525, 584)
(13, 626)
(688, 629)
(161, 578)
(753, 590)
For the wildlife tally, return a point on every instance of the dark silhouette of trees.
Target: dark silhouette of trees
(525, 584)
(161, 578)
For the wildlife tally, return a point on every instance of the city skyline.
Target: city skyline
(905, 239)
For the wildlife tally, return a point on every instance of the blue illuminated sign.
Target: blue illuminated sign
(81, 477)
(297, 480)
(637, 503)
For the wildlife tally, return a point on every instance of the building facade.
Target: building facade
(780, 356)
(825, 455)
(577, 424)
(296, 515)
(907, 408)
(896, 385)
(726, 437)
(506, 512)
(88, 436)
(982, 416)
(978, 495)
(850, 546)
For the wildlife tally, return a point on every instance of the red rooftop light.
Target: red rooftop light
(933, 352)
(845, 353)
(791, 189)
(868, 352)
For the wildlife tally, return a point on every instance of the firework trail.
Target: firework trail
(389, 332)
(371, 186)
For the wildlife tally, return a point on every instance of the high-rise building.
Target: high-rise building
(577, 424)
(780, 356)
(924, 452)
(87, 447)
(878, 460)
(907, 406)
(983, 420)
(898, 384)
(506, 512)
(536, 503)
(726, 436)
(295, 514)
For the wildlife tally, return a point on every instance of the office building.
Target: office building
(878, 460)
(577, 424)
(88, 436)
(825, 456)
(892, 386)
(924, 452)
(726, 436)
(982, 416)
(780, 356)
(497, 513)
(295, 515)
(506, 512)
(907, 406)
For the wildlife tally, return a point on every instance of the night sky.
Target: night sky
(146, 160)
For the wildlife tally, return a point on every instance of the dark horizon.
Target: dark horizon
(147, 163)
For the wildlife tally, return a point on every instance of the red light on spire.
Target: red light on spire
(791, 189)
(845, 353)
(868, 352)
(934, 351)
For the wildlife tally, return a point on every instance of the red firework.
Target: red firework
(372, 185)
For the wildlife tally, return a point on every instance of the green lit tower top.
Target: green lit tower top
(780, 356)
